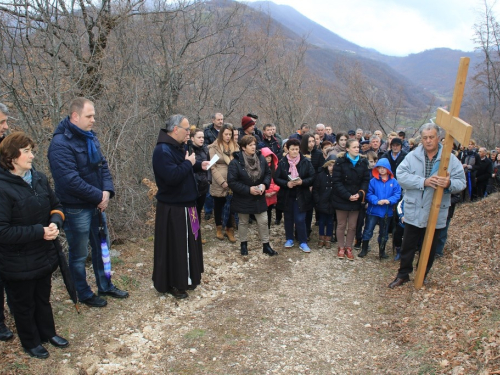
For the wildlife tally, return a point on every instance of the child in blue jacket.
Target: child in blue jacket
(383, 193)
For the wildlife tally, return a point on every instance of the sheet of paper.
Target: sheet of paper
(213, 161)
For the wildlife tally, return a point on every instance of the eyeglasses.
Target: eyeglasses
(186, 129)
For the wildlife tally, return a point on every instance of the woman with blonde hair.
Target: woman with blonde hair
(224, 147)
(351, 177)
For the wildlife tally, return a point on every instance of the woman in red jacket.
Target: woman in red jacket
(272, 192)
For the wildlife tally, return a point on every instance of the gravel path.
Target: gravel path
(294, 313)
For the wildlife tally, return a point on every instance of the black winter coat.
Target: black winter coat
(210, 134)
(241, 134)
(317, 159)
(273, 144)
(240, 182)
(323, 192)
(201, 176)
(394, 163)
(24, 212)
(302, 192)
(349, 180)
(484, 170)
(174, 174)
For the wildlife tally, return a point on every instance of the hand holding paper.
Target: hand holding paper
(213, 161)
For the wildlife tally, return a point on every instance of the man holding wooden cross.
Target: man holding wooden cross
(417, 175)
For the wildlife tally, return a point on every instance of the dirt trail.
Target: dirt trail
(295, 313)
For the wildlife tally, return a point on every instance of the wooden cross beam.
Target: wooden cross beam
(456, 129)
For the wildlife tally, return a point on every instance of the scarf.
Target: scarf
(28, 177)
(353, 161)
(94, 156)
(293, 165)
(252, 165)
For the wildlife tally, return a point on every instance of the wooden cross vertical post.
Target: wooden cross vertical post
(456, 129)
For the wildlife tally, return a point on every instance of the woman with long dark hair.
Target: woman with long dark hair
(340, 146)
(351, 177)
(196, 145)
(30, 218)
(309, 150)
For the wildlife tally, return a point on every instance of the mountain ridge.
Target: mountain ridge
(432, 70)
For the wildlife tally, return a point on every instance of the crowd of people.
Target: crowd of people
(32, 214)
(346, 183)
(350, 182)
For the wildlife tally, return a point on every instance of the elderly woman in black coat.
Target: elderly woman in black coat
(249, 176)
(351, 177)
(30, 218)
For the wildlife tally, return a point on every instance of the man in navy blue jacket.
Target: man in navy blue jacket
(84, 186)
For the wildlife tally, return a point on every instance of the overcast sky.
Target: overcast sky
(396, 27)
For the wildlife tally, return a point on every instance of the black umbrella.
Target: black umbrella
(66, 274)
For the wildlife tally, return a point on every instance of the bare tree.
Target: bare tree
(486, 82)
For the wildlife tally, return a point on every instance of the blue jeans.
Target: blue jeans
(209, 204)
(294, 216)
(371, 221)
(441, 238)
(81, 227)
(325, 220)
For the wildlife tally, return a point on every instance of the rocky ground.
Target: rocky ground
(291, 314)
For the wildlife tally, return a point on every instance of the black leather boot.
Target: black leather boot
(364, 249)
(266, 249)
(244, 249)
(381, 252)
(357, 244)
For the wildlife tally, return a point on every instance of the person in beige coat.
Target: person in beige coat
(223, 147)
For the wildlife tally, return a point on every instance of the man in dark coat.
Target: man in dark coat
(5, 332)
(256, 130)
(247, 128)
(375, 143)
(304, 128)
(84, 186)
(320, 130)
(178, 256)
(395, 154)
(484, 170)
(469, 160)
(211, 132)
(270, 141)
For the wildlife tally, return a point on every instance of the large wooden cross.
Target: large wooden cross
(456, 129)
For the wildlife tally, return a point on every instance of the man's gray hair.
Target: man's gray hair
(430, 126)
(319, 126)
(4, 109)
(174, 121)
(373, 137)
(359, 130)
